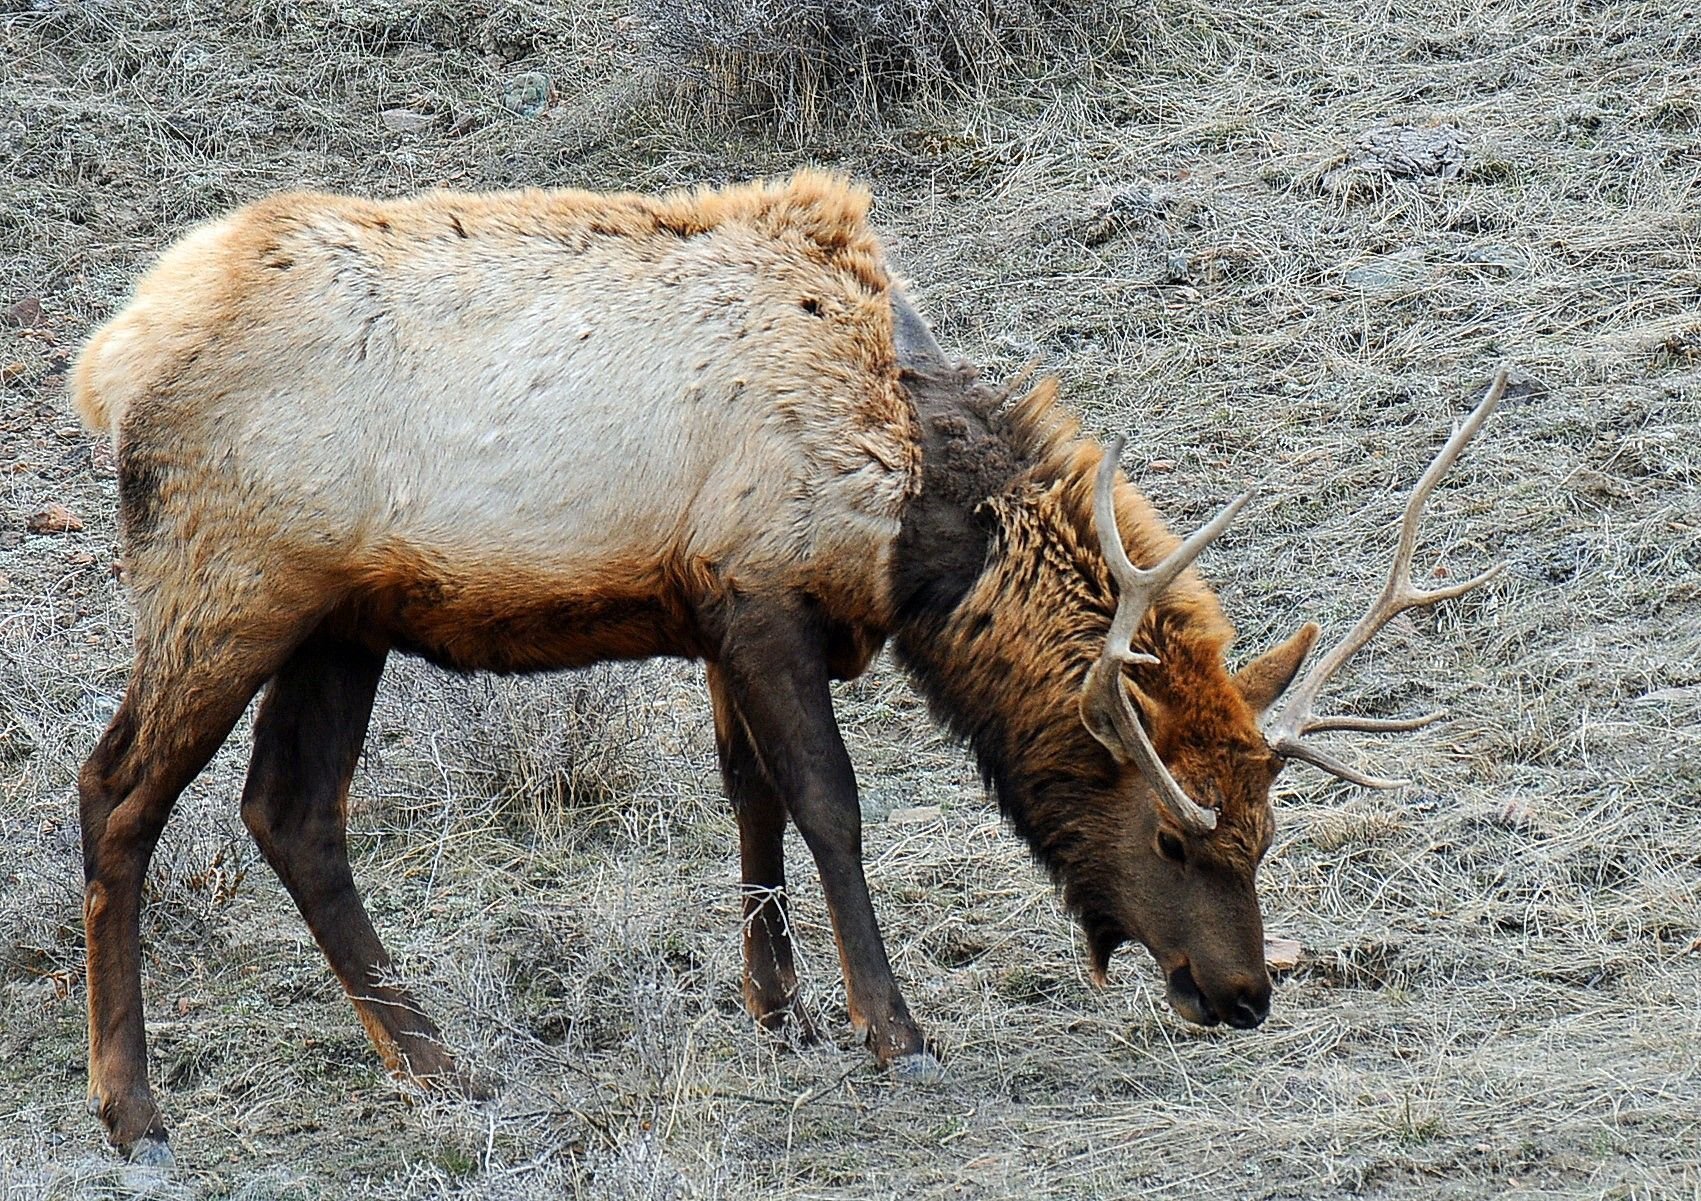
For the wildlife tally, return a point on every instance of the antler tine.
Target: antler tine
(1374, 725)
(1103, 694)
(1285, 732)
(1136, 587)
(1318, 757)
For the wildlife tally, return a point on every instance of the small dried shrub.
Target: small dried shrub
(805, 64)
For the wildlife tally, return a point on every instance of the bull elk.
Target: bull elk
(530, 431)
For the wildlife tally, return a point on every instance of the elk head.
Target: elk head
(1179, 875)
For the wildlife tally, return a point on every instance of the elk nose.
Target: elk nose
(1250, 1008)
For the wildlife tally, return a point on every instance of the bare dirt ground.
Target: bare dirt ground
(1224, 247)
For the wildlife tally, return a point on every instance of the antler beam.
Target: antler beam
(1286, 731)
(1104, 697)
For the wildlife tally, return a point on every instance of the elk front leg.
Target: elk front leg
(775, 668)
(770, 977)
(307, 740)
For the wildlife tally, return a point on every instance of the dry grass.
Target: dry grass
(804, 67)
(1499, 996)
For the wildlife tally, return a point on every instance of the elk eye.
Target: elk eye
(1171, 848)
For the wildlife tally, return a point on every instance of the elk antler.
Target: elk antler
(1285, 732)
(1104, 700)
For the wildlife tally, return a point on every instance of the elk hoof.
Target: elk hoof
(438, 1072)
(150, 1152)
(919, 1068)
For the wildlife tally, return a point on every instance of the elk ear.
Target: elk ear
(1264, 679)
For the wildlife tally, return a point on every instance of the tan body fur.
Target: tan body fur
(512, 419)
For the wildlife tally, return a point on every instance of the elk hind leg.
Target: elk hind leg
(178, 708)
(307, 740)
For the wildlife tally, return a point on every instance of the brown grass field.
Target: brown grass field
(1500, 992)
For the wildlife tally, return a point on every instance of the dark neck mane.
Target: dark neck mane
(1003, 600)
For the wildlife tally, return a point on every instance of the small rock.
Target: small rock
(1391, 275)
(916, 816)
(1281, 954)
(54, 519)
(26, 312)
(405, 120)
(1413, 150)
(1499, 258)
(528, 94)
(1398, 151)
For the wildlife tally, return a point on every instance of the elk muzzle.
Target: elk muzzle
(1243, 1003)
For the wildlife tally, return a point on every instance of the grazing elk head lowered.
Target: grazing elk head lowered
(535, 430)
(1153, 812)
(1187, 891)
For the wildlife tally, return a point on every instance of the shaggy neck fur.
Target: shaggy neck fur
(1004, 602)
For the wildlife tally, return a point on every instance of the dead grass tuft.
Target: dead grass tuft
(804, 67)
